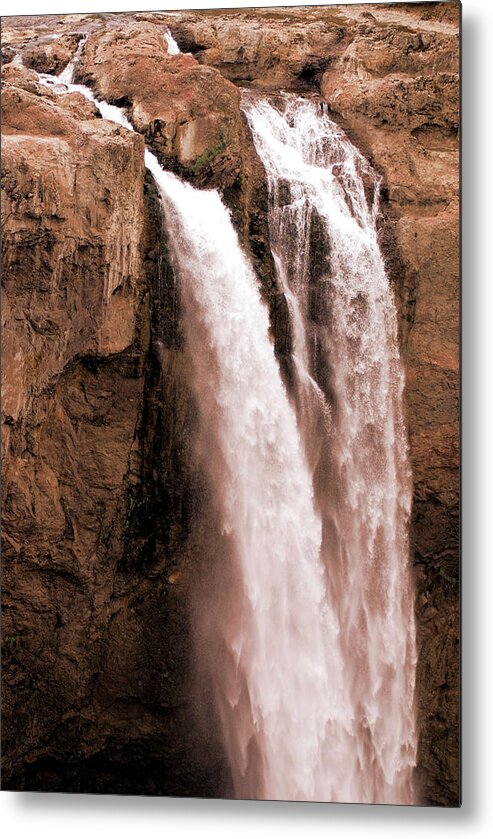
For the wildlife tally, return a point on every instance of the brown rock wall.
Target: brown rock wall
(97, 497)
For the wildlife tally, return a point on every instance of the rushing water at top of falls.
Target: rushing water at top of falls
(67, 75)
(63, 83)
(323, 226)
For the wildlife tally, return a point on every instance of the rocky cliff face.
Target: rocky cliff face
(96, 664)
(100, 494)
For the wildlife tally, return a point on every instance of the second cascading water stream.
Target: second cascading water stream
(323, 226)
(309, 634)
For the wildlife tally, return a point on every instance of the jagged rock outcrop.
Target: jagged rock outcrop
(52, 53)
(249, 48)
(98, 500)
(188, 113)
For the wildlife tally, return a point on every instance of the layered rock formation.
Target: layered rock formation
(100, 494)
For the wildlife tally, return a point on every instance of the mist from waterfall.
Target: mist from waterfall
(323, 226)
(309, 633)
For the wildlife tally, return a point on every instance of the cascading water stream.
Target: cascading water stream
(311, 644)
(275, 653)
(322, 218)
(173, 48)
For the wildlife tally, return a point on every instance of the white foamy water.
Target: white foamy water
(323, 214)
(63, 83)
(173, 48)
(276, 661)
(67, 75)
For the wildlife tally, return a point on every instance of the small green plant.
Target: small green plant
(452, 580)
(208, 155)
(133, 506)
(10, 644)
(104, 526)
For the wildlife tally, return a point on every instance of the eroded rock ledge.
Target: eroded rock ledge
(99, 493)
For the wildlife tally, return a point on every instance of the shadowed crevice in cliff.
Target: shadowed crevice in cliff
(160, 555)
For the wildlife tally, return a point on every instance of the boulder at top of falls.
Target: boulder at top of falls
(189, 114)
(50, 55)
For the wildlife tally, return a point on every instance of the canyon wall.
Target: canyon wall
(101, 494)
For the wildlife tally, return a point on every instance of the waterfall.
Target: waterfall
(171, 45)
(309, 632)
(323, 225)
(275, 651)
(67, 75)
